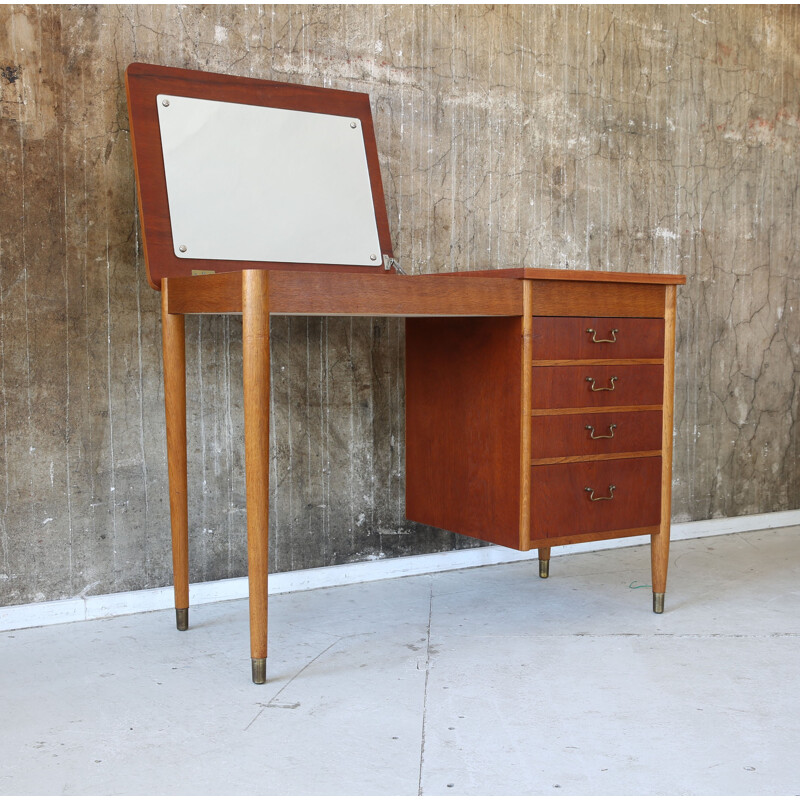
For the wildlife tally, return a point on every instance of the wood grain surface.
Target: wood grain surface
(393, 295)
(567, 435)
(173, 340)
(659, 549)
(538, 412)
(595, 536)
(348, 294)
(463, 394)
(206, 294)
(536, 462)
(568, 298)
(569, 362)
(255, 347)
(568, 387)
(525, 418)
(587, 275)
(560, 504)
(567, 338)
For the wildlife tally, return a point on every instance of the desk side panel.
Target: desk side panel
(463, 407)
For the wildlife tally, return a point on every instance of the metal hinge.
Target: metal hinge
(389, 262)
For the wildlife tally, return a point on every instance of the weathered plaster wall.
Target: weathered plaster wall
(651, 138)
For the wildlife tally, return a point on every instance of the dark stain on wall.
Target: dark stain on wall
(11, 74)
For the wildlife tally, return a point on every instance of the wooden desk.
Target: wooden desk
(507, 439)
(539, 402)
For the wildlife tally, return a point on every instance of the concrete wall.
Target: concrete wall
(655, 139)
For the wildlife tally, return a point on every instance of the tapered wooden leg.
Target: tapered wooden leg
(544, 562)
(255, 342)
(659, 542)
(659, 560)
(174, 348)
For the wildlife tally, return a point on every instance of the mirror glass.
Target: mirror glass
(251, 183)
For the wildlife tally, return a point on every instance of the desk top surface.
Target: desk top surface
(490, 293)
(594, 276)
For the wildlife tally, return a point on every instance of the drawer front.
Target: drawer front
(590, 298)
(584, 337)
(592, 434)
(561, 506)
(593, 386)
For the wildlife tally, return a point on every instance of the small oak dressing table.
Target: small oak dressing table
(538, 401)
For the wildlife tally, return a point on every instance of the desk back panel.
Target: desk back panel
(236, 171)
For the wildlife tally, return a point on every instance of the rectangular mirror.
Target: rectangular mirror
(253, 183)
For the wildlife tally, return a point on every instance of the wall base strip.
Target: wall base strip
(82, 608)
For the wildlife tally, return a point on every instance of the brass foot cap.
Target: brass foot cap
(658, 602)
(182, 618)
(259, 670)
(544, 568)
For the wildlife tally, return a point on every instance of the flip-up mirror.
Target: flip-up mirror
(253, 183)
(237, 173)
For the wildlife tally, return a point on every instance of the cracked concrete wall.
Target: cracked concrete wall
(655, 139)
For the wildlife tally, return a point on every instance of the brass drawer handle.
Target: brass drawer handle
(613, 338)
(603, 388)
(594, 499)
(609, 435)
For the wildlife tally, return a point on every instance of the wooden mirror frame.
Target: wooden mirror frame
(144, 82)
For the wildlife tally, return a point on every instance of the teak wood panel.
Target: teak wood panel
(568, 338)
(595, 536)
(206, 294)
(566, 298)
(391, 295)
(256, 374)
(578, 275)
(568, 387)
(173, 340)
(330, 294)
(566, 362)
(525, 420)
(566, 435)
(552, 412)
(536, 462)
(463, 408)
(144, 82)
(560, 504)
(659, 548)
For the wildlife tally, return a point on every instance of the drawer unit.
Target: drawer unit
(595, 496)
(590, 433)
(597, 386)
(557, 338)
(589, 367)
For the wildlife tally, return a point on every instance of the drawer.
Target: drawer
(561, 506)
(591, 298)
(593, 386)
(616, 432)
(582, 337)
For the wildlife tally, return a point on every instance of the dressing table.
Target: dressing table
(538, 401)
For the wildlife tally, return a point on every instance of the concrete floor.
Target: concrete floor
(484, 681)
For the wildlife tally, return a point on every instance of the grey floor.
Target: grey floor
(484, 681)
